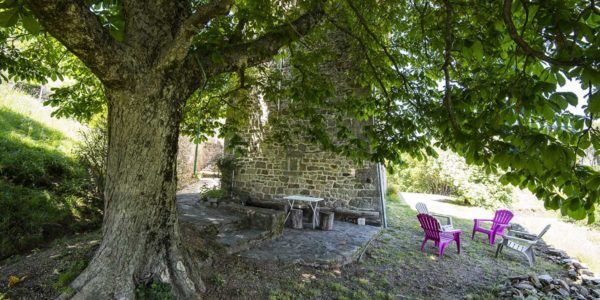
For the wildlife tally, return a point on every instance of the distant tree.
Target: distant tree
(477, 77)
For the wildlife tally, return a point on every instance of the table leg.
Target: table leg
(289, 212)
(314, 216)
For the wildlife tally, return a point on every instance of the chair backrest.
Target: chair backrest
(502, 216)
(422, 208)
(430, 225)
(543, 232)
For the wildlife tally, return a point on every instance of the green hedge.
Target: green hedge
(450, 175)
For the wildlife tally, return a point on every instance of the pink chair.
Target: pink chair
(499, 224)
(433, 232)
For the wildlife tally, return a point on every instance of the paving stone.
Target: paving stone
(336, 247)
(255, 232)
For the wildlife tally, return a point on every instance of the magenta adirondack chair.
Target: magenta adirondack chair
(499, 224)
(433, 232)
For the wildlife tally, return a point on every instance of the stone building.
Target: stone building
(270, 169)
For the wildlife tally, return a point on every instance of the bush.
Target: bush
(154, 290)
(392, 193)
(212, 194)
(450, 175)
(93, 153)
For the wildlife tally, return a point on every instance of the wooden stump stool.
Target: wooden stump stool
(326, 220)
(296, 215)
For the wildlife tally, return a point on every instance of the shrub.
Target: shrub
(450, 175)
(391, 190)
(93, 152)
(227, 164)
(154, 290)
(392, 193)
(68, 275)
(212, 194)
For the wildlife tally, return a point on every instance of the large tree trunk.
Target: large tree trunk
(141, 239)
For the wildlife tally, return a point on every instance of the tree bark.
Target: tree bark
(141, 239)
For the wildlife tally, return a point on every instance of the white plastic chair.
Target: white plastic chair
(446, 226)
(522, 245)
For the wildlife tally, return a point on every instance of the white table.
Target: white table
(313, 202)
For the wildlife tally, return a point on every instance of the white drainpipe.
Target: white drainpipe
(382, 188)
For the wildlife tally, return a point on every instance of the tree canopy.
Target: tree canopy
(480, 78)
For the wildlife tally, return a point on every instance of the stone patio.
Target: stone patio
(342, 245)
(256, 233)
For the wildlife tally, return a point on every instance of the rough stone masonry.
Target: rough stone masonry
(270, 170)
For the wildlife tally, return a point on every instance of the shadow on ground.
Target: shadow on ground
(391, 268)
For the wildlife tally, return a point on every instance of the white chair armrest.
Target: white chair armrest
(449, 218)
(513, 238)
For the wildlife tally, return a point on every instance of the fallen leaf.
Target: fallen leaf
(14, 280)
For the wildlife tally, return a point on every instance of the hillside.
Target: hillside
(43, 189)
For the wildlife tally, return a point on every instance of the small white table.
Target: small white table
(313, 202)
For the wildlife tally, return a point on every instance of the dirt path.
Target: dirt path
(578, 241)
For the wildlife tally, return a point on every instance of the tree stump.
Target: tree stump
(327, 220)
(296, 215)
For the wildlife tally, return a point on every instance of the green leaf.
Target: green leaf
(8, 3)
(560, 78)
(477, 49)
(594, 103)
(31, 24)
(578, 214)
(591, 218)
(9, 17)
(551, 204)
(570, 97)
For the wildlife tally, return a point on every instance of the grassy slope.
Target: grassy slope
(42, 186)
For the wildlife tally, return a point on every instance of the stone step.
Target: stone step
(240, 240)
(259, 218)
(211, 220)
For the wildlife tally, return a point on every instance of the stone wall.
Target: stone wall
(209, 152)
(276, 170)
(270, 170)
(185, 161)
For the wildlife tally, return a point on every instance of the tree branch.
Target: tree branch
(205, 13)
(449, 41)
(77, 28)
(365, 24)
(190, 27)
(261, 49)
(514, 35)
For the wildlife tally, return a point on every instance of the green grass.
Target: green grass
(43, 189)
